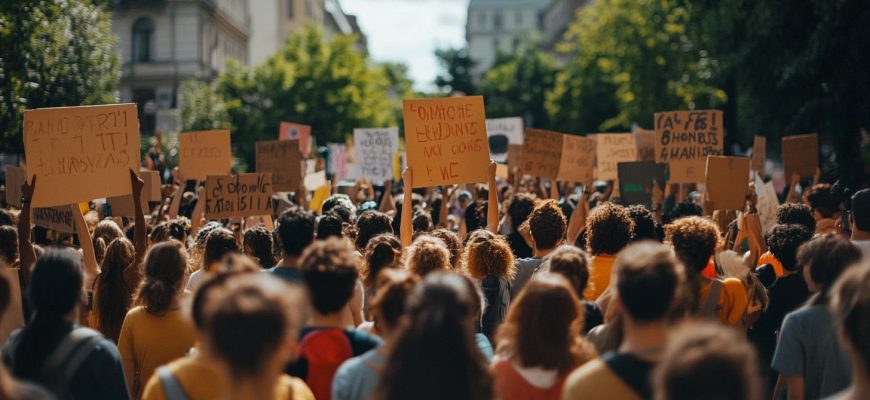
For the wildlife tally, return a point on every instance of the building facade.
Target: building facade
(557, 16)
(500, 25)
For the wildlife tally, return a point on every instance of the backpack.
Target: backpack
(632, 370)
(62, 365)
(172, 388)
(497, 292)
(324, 351)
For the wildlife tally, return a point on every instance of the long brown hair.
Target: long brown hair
(113, 295)
(165, 270)
(543, 326)
(104, 233)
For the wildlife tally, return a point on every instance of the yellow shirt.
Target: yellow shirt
(732, 299)
(148, 341)
(594, 380)
(202, 379)
(599, 276)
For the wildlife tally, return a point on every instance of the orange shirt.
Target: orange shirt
(509, 384)
(732, 300)
(709, 271)
(599, 276)
(768, 258)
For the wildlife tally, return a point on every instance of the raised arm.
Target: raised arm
(140, 230)
(27, 256)
(446, 199)
(492, 201)
(406, 230)
(387, 202)
(176, 200)
(578, 217)
(89, 256)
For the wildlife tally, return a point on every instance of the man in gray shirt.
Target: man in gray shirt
(546, 228)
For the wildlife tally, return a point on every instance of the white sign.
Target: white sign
(374, 152)
(501, 133)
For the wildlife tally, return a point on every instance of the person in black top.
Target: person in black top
(519, 210)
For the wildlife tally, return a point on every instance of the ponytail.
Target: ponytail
(165, 270)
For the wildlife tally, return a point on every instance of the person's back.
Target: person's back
(609, 229)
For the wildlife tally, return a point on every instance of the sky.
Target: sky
(409, 31)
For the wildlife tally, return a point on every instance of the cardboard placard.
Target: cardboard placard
(800, 155)
(58, 218)
(515, 156)
(636, 180)
(759, 152)
(502, 172)
(69, 149)
(577, 163)
(374, 148)
(122, 206)
(612, 149)
(14, 180)
(400, 162)
(501, 133)
(300, 132)
(727, 180)
(446, 140)
(338, 161)
(542, 153)
(645, 141)
(242, 195)
(315, 180)
(13, 317)
(320, 195)
(204, 153)
(282, 159)
(684, 139)
(767, 204)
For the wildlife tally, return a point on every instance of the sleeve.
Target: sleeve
(789, 357)
(125, 348)
(736, 301)
(341, 382)
(108, 370)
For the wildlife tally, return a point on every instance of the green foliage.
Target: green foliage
(202, 108)
(326, 84)
(457, 71)
(517, 85)
(52, 53)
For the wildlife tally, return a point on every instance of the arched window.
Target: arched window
(143, 33)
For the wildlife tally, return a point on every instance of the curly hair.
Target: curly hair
(258, 244)
(487, 254)
(522, 205)
(428, 254)
(104, 233)
(383, 251)
(686, 208)
(783, 241)
(796, 213)
(644, 225)
(547, 224)
(609, 229)
(695, 239)
(454, 246)
(825, 200)
(220, 242)
(369, 225)
(330, 273)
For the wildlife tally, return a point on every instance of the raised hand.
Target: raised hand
(137, 183)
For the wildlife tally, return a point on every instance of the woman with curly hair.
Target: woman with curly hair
(258, 244)
(489, 260)
(382, 252)
(609, 229)
(537, 350)
(428, 254)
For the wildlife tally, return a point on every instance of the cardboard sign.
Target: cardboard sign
(636, 180)
(502, 172)
(542, 153)
(71, 149)
(727, 180)
(58, 218)
(300, 132)
(400, 162)
(315, 180)
(13, 317)
(759, 152)
(122, 206)
(612, 149)
(800, 155)
(282, 159)
(645, 141)
(501, 133)
(515, 156)
(14, 180)
(204, 153)
(320, 195)
(374, 148)
(767, 204)
(243, 195)
(578, 159)
(338, 161)
(446, 140)
(684, 139)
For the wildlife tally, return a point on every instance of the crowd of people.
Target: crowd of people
(513, 289)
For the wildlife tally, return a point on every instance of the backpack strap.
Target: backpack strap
(172, 388)
(632, 370)
(711, 303)
(70, 354)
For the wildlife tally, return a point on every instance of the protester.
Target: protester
(454, 246)
(808, 356)
(827, 203)
(113, 294)
(104, 233)
(521, 206)
(536, 350)
(156, 331)
(383, 252)
(296, 233)
(488, 259)
(428, 254)
(644, 225)
(850, 306)
(646, 278)
(859, 221)
(258, 244)
(219, 243)
(546, 230)
(54, 352)
(329, 225)
(609, 229)
(8, 246)
(438, 328)
(369, 225)
(573, 264)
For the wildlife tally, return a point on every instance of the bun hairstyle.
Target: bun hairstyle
(104, 233)
(382, 251)
(165, 270)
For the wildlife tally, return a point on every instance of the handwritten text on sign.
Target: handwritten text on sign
(446, 140)
(68, 149)
(282, 159)
(374, 152)
(685, 139)
(542, 153)
(612, 149)
(578, 158)
(243, 195)
(58, 218)
(204, 153)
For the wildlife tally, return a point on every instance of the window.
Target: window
(496, 22)
(290, 9)
(143, 32)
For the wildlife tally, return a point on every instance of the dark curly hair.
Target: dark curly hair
(220, 242)
(258, 244)
(369, 225)
(475, 216)
(609, 229)
(686, 208)
(522, 205)
(454, 245)
(783, 241)
(421, 222)
(329, 225)
(825, 200)
(695, 240)
(796, 213)
(547, 224)
(644, 225)
(330, 273)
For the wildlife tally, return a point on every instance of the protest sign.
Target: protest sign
(502, 172)
(282, 159)
(69, 149)
(636, 180)
(767, 204)
(122, 206)
(501, 133)
(684, 139)
(446, 140)
(317, 199)
(645, 141)
(59, 218)
(542, 153)
(726, 181)
(338, 161)
(12, 317)
(612, 149)
(374, 148)
(577, 163)
(242, 195)
(315, 180)
(300, 132)
(15, 177)
(759, 152)
(800, 155)
(515, 156)
(400, 162)
(204, 153)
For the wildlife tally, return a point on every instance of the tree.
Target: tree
(202, 107)
(400, 87)
(327, 84)
(54, 53)
(517, 85)
(456, 76)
